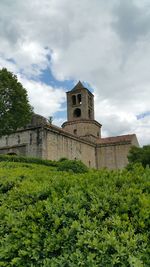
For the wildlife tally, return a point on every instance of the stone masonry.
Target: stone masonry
(78, 138)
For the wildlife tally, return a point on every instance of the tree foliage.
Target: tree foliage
(51, 218)
(140, 155)
(75, 166)
(15, 110)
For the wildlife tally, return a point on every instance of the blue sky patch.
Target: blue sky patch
(143, 115)
(47, 77)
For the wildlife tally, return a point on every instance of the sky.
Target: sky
(52, 44)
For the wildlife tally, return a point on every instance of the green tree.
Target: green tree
(15, 110)
(140, 155)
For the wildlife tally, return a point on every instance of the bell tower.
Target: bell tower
(80, 103)
(80, 113)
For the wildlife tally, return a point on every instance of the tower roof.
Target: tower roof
(79, 85)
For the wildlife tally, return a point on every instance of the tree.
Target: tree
(140, 155)
(15, 110)
(50, 119)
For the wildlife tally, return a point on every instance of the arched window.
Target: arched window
(77, 113)
(73, 100)
(79, 97)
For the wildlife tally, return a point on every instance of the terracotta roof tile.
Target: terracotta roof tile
(116, 139)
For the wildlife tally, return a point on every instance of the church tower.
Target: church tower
(80, 113)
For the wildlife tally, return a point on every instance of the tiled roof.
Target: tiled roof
(116, 139)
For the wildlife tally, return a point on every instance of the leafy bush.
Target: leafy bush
(14, 158)
(100, 218)
(62, 159)
(140, 155)
(75, 166)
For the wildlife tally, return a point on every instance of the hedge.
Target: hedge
(51, 218)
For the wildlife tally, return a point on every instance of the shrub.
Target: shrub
(62, 159)
(51, 219)
(14, 158)
(140, 155)
(75, 166)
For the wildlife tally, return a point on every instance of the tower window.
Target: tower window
(73, 100)
(79, 97)
(89, 111)
(90, 101)
(77, 113)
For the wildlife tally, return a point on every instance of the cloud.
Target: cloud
(45, 99)
(132, 22)
(105, 43)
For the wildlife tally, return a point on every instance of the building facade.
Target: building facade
(78, 138)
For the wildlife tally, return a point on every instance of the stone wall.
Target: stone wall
(113, 156)
(60, 145)
(26, 142)
(83, 128)
(50, 142)
(84, 105)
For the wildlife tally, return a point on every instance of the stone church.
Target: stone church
(78, 138)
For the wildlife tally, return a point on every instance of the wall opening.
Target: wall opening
(90, 102)
(77, 113)
(89, 112)
(79, 97)
(75, 131)
(30, 138)
(73, 100)
(6, 141)
(18, 137)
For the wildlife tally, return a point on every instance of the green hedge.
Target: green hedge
(13, 158)
(51, 219)
(75, 166)
(63, 164)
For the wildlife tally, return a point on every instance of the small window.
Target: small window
(6, 141)
(90, 101)
(18, 139)
(77, 113)
(89, 114)
(75, 131)
(30, 138)
(73, 100)
(79, 97)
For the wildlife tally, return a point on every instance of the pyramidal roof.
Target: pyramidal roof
(79, 85)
